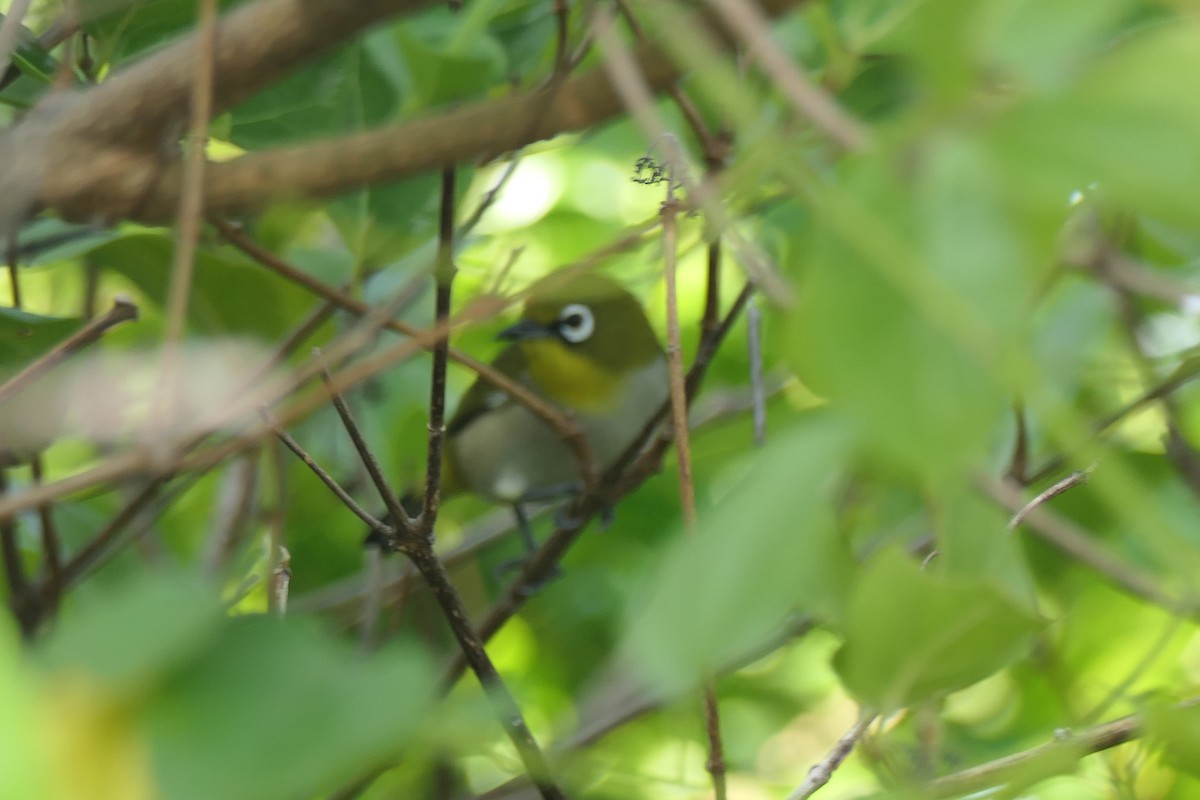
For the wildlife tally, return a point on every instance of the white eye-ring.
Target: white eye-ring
(576, 323)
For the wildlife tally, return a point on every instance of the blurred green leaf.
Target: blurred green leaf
(134, 634)
(911, 634)
(24, 767)
(448, 63)
(1129, 125)
(768, 551)
(125, 28)
(230, 294)
(275, 709)
(891, 338)
(1177, 731)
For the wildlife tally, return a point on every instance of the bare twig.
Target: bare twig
(21, 600)
(808, 98)
(562, 55)
(820, 773)
(444, 275)
(390, 500)
(490, 196)
(277, 525)
(122, 310)
(1043, 761)
(1072, 480)
(683, 453)
(1070, 539)
(757, 387)
(191, 200)
(10, 32)
(372, 596)
(1018, 465)
(326, 478)
(281, 581)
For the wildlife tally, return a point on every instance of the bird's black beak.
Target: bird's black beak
(525, 329)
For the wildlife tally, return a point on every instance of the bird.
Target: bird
(584, 344)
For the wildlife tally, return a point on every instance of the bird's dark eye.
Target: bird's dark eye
(575, 323)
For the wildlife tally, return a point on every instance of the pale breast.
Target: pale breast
(508, 453)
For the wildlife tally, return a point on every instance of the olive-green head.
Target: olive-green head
(581, 336)
(590, 317)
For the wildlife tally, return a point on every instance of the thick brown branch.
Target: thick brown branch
(83, 177)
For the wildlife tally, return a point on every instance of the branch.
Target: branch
(99, 152)
(1043, 761)
(1076, 543)
(820, 773)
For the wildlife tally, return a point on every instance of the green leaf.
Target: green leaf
(770, 550)
(275, 709)
(445, 63)
(230, 294)
(910, 634)
(37, 70)
(1178, 731)
(134, 634)
(886, 327)
(27, 771)
(341, 93)
(123, 28)
(1129, 126)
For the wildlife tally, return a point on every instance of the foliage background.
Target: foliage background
(991, 280)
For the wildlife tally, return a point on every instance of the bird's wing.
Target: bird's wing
(482, 397)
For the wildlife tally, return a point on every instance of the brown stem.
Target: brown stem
(444, 274)
(21, 600)
(390, 500)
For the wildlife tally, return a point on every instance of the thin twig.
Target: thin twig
(390, 500)
(1045, 760)
(325, 478)
(490, 196)
(820, 773)
(444, 275)
(50, 540)
(1076, 543)
(122, 310)
(1072, 480)
(633, 88)
(52, 559)
(1018, 465)
(757, 386)
(277, 525)
(281, 581)
(21, 600)
(562, 56)
(683, 455)
(372, 596)
(808, 98)
(471, 645)
(191, 205)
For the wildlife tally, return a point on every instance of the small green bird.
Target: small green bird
(585, 345)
